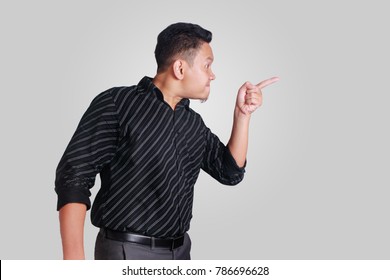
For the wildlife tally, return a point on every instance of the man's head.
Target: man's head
(183, 53)
(179, 40)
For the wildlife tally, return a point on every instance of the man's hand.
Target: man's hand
(250, 97)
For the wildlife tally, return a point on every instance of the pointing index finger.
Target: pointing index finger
(267, 82)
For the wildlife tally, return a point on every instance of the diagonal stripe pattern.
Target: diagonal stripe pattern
(148, 157)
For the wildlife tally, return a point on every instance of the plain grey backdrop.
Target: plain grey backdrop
(317, 181)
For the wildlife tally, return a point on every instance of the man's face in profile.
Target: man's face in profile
(198, 76)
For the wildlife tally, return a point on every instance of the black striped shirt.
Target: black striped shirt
(149, 158)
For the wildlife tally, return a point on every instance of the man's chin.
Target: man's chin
(204, 99)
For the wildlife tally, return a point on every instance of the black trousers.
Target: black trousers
(108, 249)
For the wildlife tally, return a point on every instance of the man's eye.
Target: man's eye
(207, 65)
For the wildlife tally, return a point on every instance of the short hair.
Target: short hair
(179, 40)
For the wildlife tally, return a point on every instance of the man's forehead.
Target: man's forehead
(207, 52)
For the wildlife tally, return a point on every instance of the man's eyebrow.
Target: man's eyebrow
(210, 58)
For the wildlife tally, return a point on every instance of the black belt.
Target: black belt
(153, 242)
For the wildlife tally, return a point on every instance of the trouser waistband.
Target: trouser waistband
(153, 242)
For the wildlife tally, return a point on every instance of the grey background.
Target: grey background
(317, 181)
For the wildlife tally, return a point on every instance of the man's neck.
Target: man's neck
(168, 88)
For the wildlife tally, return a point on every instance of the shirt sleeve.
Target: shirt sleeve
(91, 148)
(219, 162)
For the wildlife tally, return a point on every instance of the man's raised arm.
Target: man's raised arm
(249, 98)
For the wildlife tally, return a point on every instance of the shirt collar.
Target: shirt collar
(146, 86)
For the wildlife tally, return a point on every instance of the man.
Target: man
(149, 146)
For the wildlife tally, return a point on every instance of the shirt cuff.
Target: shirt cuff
(231, 166)
(66, 196)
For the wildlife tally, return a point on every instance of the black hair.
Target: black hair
(179, 40)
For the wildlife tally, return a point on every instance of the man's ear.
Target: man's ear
(178, 69)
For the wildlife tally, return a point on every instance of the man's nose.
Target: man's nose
(212, 76)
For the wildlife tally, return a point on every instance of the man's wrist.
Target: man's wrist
(239, 115)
